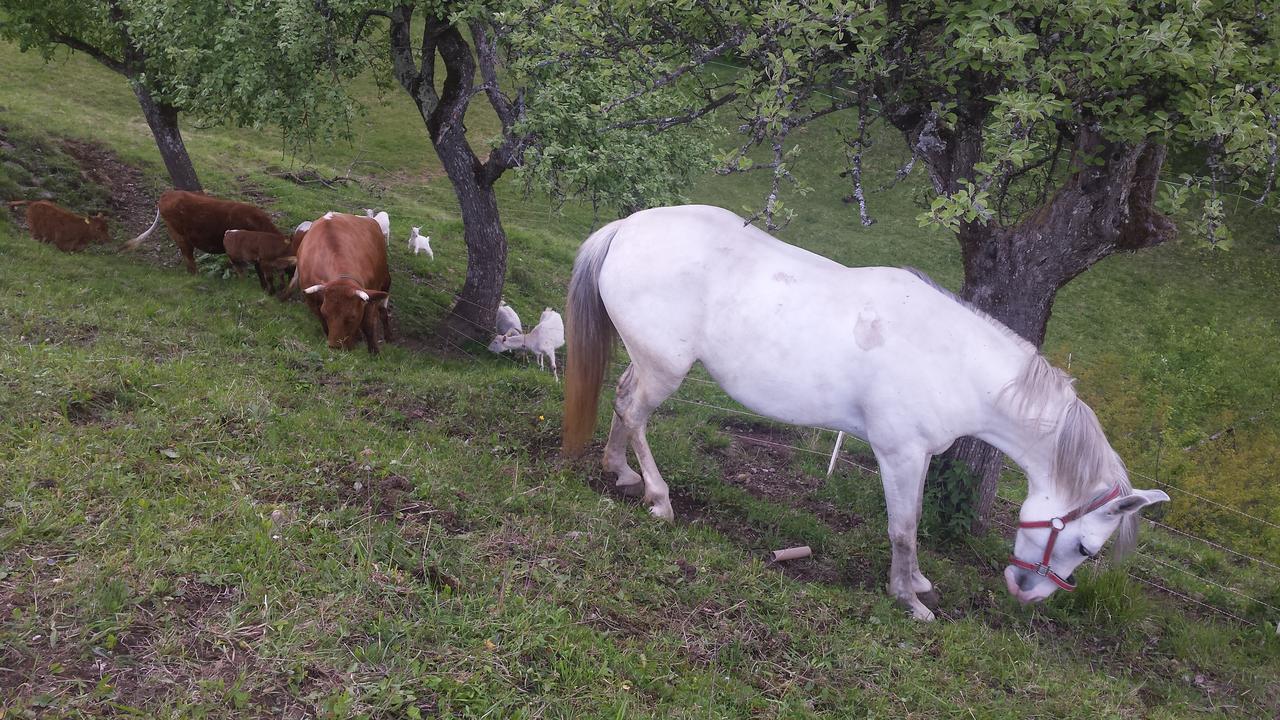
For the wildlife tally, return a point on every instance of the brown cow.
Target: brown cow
(342, 267)
(264, 249)
(68, 231)
(197, 221)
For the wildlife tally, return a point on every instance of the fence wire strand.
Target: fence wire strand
(620, 367)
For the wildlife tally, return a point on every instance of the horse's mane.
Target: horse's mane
(1081, 451)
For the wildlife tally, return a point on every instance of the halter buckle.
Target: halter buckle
(1042, 570)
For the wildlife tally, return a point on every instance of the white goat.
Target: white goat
(384, 222)
(419, 242)
(542, 340)
(507, 324)
(507, 319)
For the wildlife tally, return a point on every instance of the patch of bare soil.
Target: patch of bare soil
(358, 485)
(253, 193)
(759, 461)
(133, 204)
(93, 409)
(52, 332)
(847, 572)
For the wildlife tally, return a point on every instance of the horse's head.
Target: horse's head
(1054, 538)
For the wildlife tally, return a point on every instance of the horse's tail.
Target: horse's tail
(134, 243)
(589, 335)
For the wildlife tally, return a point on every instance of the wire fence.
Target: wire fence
(840, 457)
(1145, 580)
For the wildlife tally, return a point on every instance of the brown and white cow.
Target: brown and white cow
(342, 268)
(268, 251)
(198, 221)
(67, 231)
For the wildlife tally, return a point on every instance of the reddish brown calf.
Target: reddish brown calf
(67, 231)
(342, 267)
(197, 221)
(263, 249)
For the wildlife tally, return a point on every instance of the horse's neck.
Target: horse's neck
(1029, 438)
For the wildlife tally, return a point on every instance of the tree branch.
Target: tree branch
(364, 19)
(662, 123)
(670, 77)
(93, 52)
(487, 54)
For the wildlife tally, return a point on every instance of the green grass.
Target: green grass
(206, 513)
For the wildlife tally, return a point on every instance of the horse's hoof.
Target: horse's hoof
(635, 489)
(663, 512)
(915, 608)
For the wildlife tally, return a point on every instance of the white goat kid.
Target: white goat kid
(542, 340)
(419, 243)
(507, 319)
(384, 222)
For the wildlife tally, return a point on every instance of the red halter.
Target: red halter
(1056, 525)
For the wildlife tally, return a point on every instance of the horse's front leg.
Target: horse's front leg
(902, 474)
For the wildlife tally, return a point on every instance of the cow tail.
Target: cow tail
(134, 243)
(590, 335)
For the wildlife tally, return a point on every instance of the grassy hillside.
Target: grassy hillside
(206, 513)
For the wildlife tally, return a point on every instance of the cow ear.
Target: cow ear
(314, 289)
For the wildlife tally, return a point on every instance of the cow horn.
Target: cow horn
(314, 289)
(363, 295)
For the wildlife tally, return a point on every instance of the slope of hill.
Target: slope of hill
(205, 512)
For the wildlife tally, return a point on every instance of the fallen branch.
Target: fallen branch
(311, 177)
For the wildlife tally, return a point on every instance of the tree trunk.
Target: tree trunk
(1021, 300)
(163, 120)
(1014, 274)
(474, 313)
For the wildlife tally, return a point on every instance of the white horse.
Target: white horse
(879, 353)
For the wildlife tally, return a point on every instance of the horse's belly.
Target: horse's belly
(795, 395)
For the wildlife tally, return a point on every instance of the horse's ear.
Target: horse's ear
(1130, 504)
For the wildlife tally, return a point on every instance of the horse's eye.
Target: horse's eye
(1085, 551)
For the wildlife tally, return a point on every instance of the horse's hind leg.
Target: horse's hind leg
(902, 473)
(615, 459)
(641, 390)
(615, 448)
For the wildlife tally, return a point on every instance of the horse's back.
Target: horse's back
(787, 332)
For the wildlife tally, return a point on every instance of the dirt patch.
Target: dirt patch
(823, 568)
(759, 460)
(132, 198)
(253, 193)
(50, 332)
(92, 409)
(359, 485)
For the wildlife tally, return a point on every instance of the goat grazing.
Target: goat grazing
(507, 319)
(420, 242)
(542, 340)
(384, 222)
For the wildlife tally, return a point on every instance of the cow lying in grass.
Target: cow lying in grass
(66, 230)
(199, 222)
(342, 268)
(268, 251)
